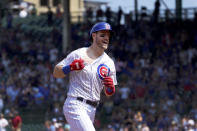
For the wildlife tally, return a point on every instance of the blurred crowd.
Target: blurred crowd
(156, 70)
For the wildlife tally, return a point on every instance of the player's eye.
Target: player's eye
(102, 35)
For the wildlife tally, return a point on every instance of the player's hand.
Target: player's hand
(109, 87)
(77, 64)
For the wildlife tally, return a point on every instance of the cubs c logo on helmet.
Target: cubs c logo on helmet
(103, 71)
(107, 26)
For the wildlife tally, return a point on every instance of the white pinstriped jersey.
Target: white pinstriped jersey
(87, 83)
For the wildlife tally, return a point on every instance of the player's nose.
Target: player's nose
(106, 38)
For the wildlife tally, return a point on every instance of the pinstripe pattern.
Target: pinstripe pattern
(79, 115)
(86, 84)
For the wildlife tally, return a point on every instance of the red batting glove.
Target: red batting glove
(77, 64)
(109, 86)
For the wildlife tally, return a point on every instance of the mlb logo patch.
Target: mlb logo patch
(107, 26)
(103, 71)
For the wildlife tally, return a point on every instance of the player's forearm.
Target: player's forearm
(58, 73)
(61, 71)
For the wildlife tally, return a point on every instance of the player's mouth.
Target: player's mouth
(105, 42)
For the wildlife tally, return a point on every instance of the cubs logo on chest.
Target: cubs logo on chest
(103, 71)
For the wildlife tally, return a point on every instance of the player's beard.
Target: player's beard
(102, 45)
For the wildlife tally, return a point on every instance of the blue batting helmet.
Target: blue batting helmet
(100, 26)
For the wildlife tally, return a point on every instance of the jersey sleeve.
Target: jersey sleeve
(68, 60)
(113, 73)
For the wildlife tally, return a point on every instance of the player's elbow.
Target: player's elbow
(57, 72)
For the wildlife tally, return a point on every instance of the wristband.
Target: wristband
(109, 90)
(66, 69)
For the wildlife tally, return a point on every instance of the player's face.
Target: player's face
(102, 39)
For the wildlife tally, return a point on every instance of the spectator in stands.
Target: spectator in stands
(34, 11)
(190, 125)
(9, 19)
(60, 128)
(11, 90)
(143, 13)
(49, 17)
(54, 124)
(58, 11)
(173, 126)
(52, 127)
(57, 110)
(144, 127)
(47, 125)
(16, 121)
(119, 17)
(156, 11)
(108, 15)
(3, 122)
(39, 97)
(23, 12)
(99, 14)
(67, 127)
(124, 91)
(89, 15)
(53, 55)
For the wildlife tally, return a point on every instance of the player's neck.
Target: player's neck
(95, 51)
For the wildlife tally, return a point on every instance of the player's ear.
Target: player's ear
(93, 35)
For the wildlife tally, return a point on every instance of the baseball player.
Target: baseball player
(90, 70)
